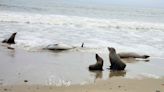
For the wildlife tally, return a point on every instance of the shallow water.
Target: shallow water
(67, 68)
(146, 38)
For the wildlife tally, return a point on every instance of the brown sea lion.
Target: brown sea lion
(11, 40)
(132, 55)
(98, 65)
(116, 63)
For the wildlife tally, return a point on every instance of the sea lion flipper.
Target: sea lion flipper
(4, 41)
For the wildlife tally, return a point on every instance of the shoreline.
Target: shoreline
(112, 85)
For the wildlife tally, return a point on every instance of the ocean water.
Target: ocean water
(40, 23)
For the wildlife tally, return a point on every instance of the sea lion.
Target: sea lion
(116, 63)
(62, 47)
(132, 55)
(59, 47)
(98, 65)
(11, 40)
(82, 45)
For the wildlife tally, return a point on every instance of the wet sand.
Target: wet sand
(112, 85)
(47, 71)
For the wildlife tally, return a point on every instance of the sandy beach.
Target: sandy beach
(112, 85)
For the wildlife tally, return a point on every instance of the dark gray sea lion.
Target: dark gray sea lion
(98, 65)
(116, 63)
(132, 55)
(11, 40)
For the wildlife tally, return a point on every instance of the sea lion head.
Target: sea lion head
(97, 55)
(111, 49)
(99, 59)
(11, 40)
(14, 33)
(13, 36)
(146, 56)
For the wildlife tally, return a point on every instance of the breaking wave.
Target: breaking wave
(76, 21)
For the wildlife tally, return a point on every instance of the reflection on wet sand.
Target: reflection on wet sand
(98, 74)
(10, 51)
(117, 74)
